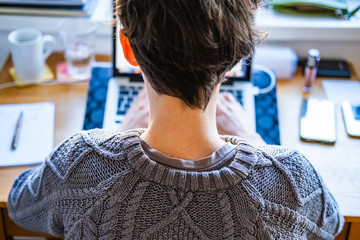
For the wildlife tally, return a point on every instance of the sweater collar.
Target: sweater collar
(245, 159)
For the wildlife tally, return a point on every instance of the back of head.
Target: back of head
(184, 47)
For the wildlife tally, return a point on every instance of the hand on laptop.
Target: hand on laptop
(138, 114)
(231, 119)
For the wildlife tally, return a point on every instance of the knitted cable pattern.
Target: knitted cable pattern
(226, 216)
(101, 185)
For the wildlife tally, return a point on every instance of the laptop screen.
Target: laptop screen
(121, 67)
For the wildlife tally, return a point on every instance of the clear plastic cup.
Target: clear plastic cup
(78, 37)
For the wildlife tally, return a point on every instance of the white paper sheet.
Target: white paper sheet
(340, 90)
(36, 135)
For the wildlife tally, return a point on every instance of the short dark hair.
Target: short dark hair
(185, 47)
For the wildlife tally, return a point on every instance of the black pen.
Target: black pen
(16, 137)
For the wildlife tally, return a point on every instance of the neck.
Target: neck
(179, 131)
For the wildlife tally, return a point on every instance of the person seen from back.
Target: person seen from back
(178, 178)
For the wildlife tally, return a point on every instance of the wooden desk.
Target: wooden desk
(340, 161)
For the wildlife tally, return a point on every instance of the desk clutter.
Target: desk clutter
(48, 76)
(30, 49)
(30, 126)
(62, 74)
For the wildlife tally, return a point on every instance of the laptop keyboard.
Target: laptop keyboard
(238, 94)
(127, 95)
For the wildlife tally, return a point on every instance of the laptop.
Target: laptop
(127, 82)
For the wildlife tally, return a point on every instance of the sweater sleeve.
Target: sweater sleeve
(299, 197)
(38, 198)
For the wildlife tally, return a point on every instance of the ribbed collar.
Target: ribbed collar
(127, 146)
(216, 160)
(245, 159)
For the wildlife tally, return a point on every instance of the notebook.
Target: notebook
(35, 134)
(127, 82)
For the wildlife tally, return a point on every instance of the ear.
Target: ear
(128, 52)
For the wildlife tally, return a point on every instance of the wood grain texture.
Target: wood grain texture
(344, 232)
(354, 231)
(2, 226)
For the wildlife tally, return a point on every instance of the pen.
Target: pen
(16, 137)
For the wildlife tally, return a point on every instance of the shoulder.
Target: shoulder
(289, 189)
(288, 170)
(98, 146)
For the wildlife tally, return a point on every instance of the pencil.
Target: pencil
(16, 137)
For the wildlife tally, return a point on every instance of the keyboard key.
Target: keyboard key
(123, 92)
(121, 112)
(127, 95)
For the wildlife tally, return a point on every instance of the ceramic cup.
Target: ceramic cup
(29, 50)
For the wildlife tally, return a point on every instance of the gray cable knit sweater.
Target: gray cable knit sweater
(101, 185)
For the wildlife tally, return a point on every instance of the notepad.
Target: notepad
(340, 90)
(36, 135)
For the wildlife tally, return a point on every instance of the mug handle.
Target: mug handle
(49, 44)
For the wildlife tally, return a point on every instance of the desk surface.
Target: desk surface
(339, 164)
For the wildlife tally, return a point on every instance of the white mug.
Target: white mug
(29, 50)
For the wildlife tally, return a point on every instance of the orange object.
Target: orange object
(128, 52)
